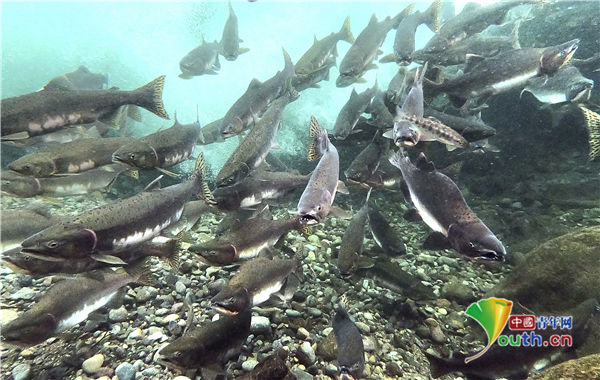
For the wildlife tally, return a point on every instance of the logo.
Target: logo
(493, 314)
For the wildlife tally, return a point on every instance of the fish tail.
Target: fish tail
(150, 97)
(199, 176)
(318, 140)
(515, 35)
(289, 65)
(345, 33)
(432, 15)
(437, 365)
(397, 158)
(140, 271)
(592, 122)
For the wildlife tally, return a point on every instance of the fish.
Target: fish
(386, 176)
(99, 178)
(588, 66)
(96, 130)
(366, 163)
(592, 122)
(258, 187)
(192, 212)
(114, 227)
(365, 48)
(381, 117)
(164, 248)
(68, 303)
(238, 245)
(404, 41)
(348, 116)
(209, 345)
(80, 79)
(472, 128)
(211, 133)
(303, 82)
(513, 362)
(46, 111)
(483, 146)
(161, 149)
(74, 157)
(396, 89)
(350, 352)
(513, 69)
(253, 284)
(383, 234)
(470, 21)
(351, 248)
(323, 51)
(391, 275)
(253, 149)
(257, 98)
(318, 195)
(447, 11)
(443, 208)
(566, 85)
(202, 60)
(19, 224)
(479, 44)
(229, 46)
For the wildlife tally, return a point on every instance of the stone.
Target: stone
(181, 378)
(26, 294)
(180, 287)
(118, 315)
(151, 371)
(301, 374)
(92, 364)
(454, 289)
(125, 371)
(7, 315)
(583, 368)
(306, 355)
(248, 365)
(327, 347)
(303, 333)
(260, 325)
(393, 369)
(363, 327)
(21, 372)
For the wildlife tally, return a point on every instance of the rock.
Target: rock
(7, 315)
(393, 369)
(21, 372)
(125, 371)
(23, 294)
(327, 348)
(454, 289)
(180, 287)
(181, 378)
(557, 275)
(363, 327)
(118, 315)
(151, 371)
(302, 375)
(587, 367)
(303, 333)
(249, 365)
(260, 325)
(293, 313)
(306, 355)
(92, 364)
(144, 293)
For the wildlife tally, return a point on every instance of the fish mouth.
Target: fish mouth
(489, 256)
(308, 219)
(223, 309)
(14, 267)
(581, 92)
(344, 375)
(37, 254)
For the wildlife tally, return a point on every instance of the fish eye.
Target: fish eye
(27, 258)
(471, 244)
(132, 156)
(52, 244)
(319, 208)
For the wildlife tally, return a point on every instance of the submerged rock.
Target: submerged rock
(587, 367)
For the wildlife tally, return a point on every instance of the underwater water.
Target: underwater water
(465, 136)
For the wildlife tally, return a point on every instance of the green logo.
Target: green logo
(492, 314)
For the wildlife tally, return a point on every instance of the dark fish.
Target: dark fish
(230, 39)
(588, 66)
(302, 82)
(485, 77)
(100, 232)
(95, 130)
(350, 352)
(348, 260)
(381, 117)
(351, 111)
(323, 51)
(396, 89)
(68, 303)
(257, 98)
(202, 60)
(386, 176)
(566, 85)
(80, 79)
(212, 344)
(469, 22)
(260, 186)
(363, 51)
(253, 284)
(18, 225)
(253, 149)
(367, 161)
(237, 244)
(211, 133)
(163, 248)
(161, 149)
(447, 11)
(319, 194)
(443, 208)
(46, 111)
(383, 234)
(61, 186)
(74, 157)
(404, 42)
(391, 275)
(472, 128)
(192, 212)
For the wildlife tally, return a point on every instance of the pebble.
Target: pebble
(125, 371)
(152, 371)
(23, 294)
(363, 327)
(293, 313)
(136, 334)
(180, 287)
(181, 378)
(118, 315)
(249, 365)
(144, 293)
(301, 374)
(303, 333)
(260, 325)
(306, 354)
(21, 372)
(93, 364)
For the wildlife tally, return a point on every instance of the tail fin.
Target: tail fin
(199, 176)
(437, 365)
(420, 75)
(592, 122)
(150, 97)
(170, 252)
(431, 17)
(400, 16)
(289, 65)
(141, 273)
(319, 142)
(345, 33)
(134, 113)
(397, 158)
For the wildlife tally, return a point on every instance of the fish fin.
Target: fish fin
(345, 33)
(217, 64)
(15, 136)
(188, 304)
(211, 72)
(150, 97)
(365, 262)
(289, 65)
(254, 83)
(172, 258)
(315, 85)
(200, 175)
(457, 101)
(112, 118)
(154, 185)
(422, 163)
(370, 66)
(243, 50)
(141, 272)
(432, 15)
(340, 213)
(515, 34)
(412, 215)
(451, 148)
(185, 76)
(168, 172)
(109, 259)
(361, 79)
(388, 58)
(315, 130)
(592, 122)
(134, 113)
(436, 241)
(342, 188)
(389, 134)
(471, 60)
(437, 365)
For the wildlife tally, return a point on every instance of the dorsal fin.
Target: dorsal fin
(423, 164)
